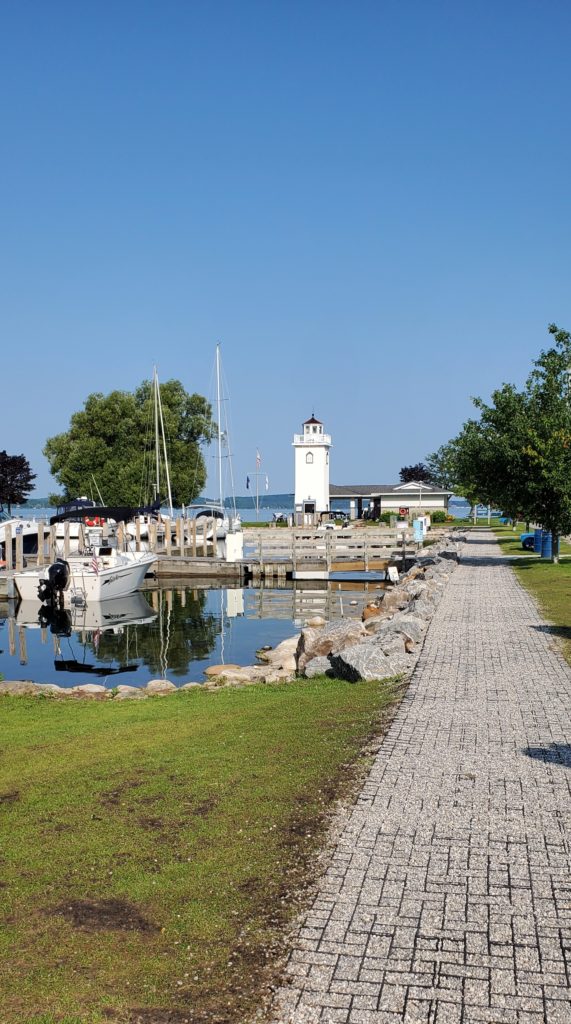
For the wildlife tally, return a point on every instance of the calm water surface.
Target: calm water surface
(169, 633)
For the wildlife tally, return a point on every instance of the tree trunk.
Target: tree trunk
(555, 547)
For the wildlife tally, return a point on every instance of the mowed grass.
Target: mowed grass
(153, 851)
(510, 543)
(550, 585)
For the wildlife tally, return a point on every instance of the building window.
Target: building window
(309, 458)
(326, 458)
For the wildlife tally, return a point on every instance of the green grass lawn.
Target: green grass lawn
(510, 543)
(153, 851)
(550, 585)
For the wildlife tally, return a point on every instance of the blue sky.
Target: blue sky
(366, 203)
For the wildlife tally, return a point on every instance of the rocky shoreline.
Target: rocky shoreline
(386, 642)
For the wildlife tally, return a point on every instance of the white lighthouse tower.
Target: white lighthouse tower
(311, 472)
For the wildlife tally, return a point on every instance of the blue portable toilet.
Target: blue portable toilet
(537, 536)
(546, 548)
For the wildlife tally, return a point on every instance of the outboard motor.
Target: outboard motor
(51, 589)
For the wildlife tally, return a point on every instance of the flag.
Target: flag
(267, 483)
(247, 483)
(258, 459)
(95, 565)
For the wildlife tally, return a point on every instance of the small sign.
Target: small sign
(403, 511)
(393, 573)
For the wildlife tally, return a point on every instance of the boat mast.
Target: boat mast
(157, 448)
(159, 422)
(219, 413)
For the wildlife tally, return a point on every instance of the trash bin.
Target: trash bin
(537, 535)
(546, 544)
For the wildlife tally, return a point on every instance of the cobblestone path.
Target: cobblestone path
(448, 898)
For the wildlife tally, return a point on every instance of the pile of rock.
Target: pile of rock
(388, 640)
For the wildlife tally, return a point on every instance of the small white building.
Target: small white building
(311, 451)
(410, 499)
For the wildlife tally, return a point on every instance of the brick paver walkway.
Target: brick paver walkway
(448, 898)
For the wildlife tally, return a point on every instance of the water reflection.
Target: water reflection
(170, 632)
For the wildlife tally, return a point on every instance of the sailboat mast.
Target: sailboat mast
(218, 417)
(157, 446)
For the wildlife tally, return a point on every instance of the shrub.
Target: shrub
(439, 516)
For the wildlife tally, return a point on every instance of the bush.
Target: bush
(385, 517)
(439, 516)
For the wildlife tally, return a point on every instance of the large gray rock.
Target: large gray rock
(412, 626)
(391, 642)
(319, 666)
(368, 661)
(313, 643)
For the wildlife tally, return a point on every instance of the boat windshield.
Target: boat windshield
(4, 517)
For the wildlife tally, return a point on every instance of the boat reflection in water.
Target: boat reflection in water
(169, 633)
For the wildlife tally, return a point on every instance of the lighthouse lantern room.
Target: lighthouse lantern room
(311, 472)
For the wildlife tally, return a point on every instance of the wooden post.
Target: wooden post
(205, 537)
(52, 544)
(193, 538)
(138, 533)
(180, 536)
(168, 537)
(66, 540)
(8, 557)
(121, 536)
(153, 536)
(19, 551)
(41, 543)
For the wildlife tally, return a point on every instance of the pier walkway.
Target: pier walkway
(448, 896)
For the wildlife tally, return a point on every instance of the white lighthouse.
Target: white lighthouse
(311, 472)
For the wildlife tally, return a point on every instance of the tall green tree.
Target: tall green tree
(16, 479)
(110, 446)
(518, 453)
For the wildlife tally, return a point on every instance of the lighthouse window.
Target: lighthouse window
(326, 458)
(309, 458)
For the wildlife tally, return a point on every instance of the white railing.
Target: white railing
(312, 438)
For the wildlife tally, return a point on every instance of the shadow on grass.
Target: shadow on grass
(555, 753)
(562, 631)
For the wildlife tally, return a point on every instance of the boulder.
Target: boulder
(213, 671)
(371, 611)
(368, 661)
(315, 621)
(391, 642)
(394, 600)
(410, 625)
(89, 688)
(19, 688)
(160, 686)
(131, 694)
(282, 656)
(320, 666)
(334, 638)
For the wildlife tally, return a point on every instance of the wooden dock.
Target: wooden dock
(269, 553)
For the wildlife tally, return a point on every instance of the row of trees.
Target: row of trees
(517, 453)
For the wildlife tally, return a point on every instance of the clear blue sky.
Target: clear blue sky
(366, 203)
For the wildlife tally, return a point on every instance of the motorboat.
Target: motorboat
(82, 579)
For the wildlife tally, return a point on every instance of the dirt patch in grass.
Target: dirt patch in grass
(10, 797)
(105, 915)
